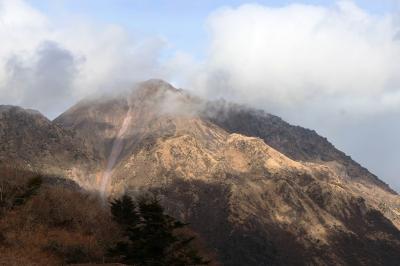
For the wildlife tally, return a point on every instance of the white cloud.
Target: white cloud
(298, 54)
(43, 80)
(94, 57)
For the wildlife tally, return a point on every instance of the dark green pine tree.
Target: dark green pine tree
(151, 237)
(124, 211)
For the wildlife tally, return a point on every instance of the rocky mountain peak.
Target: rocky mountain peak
(155, 85)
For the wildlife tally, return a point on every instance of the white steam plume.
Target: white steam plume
(115, 152)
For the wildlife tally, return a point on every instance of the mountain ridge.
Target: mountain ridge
(275, 131)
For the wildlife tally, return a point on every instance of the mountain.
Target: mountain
(258, 190)
(31, 141)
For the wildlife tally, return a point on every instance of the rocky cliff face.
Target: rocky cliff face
(258, 190)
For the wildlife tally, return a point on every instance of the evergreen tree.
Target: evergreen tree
(150, 235)
(124, 211)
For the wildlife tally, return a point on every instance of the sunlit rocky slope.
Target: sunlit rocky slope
(258, 190)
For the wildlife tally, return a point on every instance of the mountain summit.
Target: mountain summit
(258, 190)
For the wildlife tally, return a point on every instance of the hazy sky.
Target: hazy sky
(333, 66)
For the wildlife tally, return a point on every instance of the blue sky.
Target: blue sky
(182, 21)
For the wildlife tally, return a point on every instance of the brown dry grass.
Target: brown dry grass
(58, 225)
